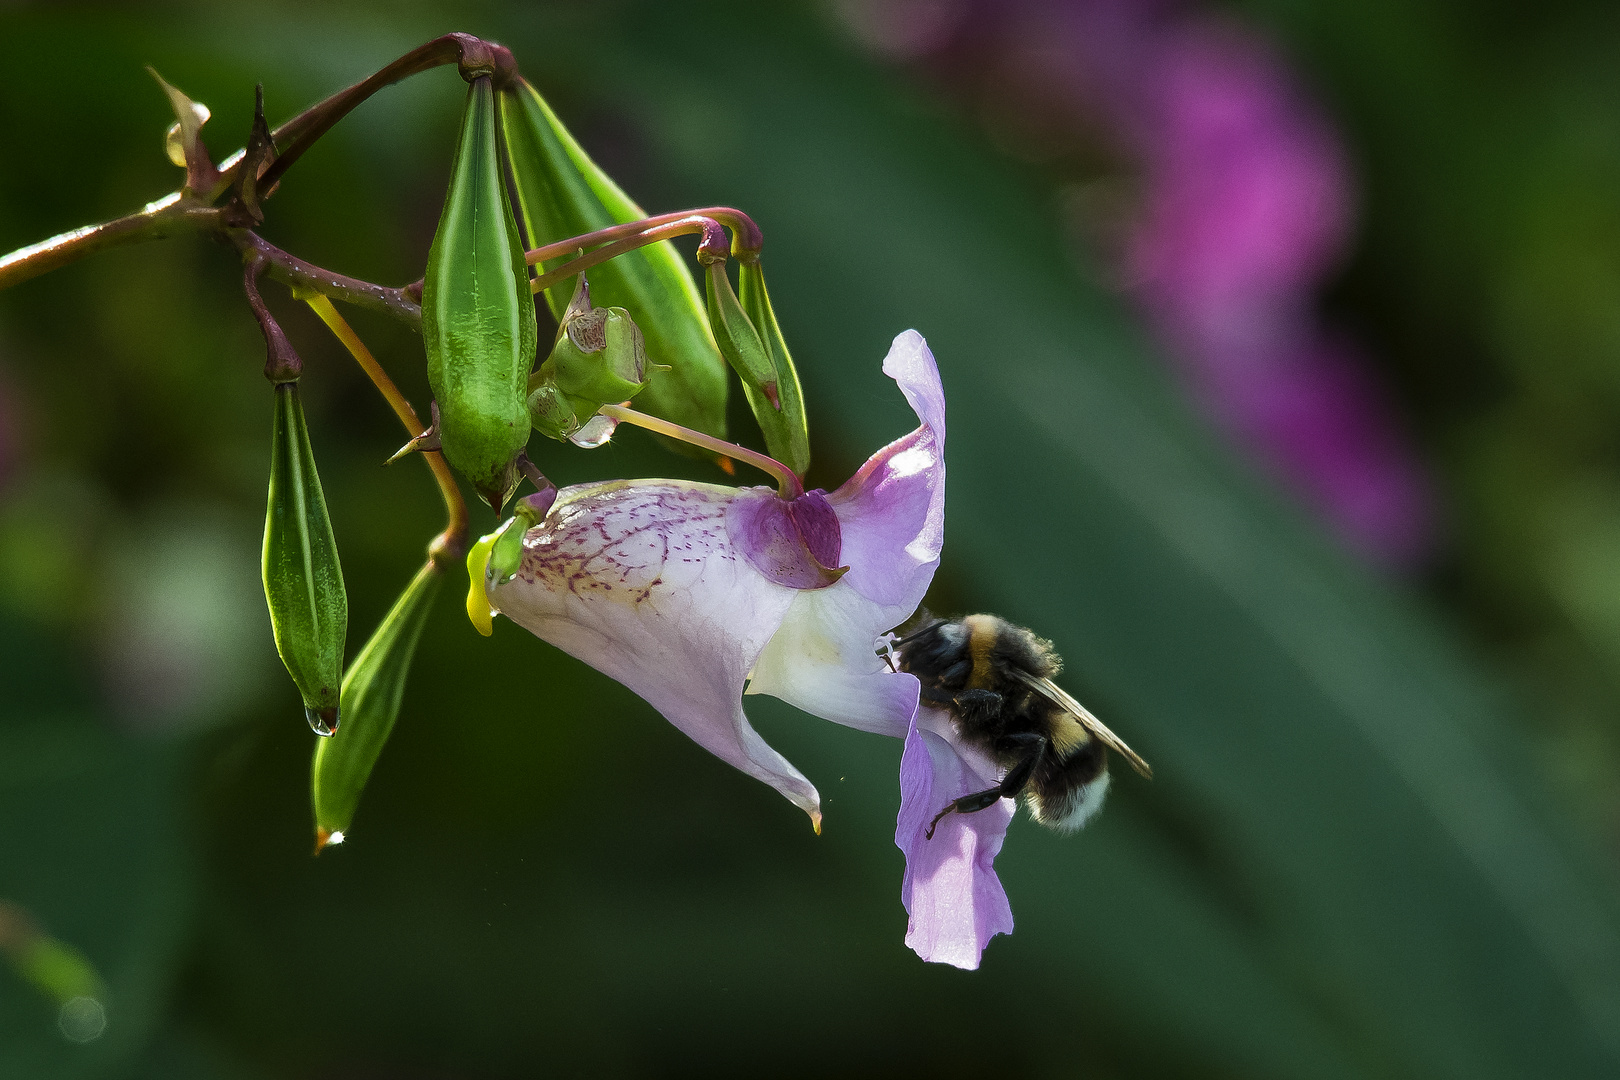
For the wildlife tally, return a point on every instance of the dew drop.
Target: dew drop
(82, 1019)
(323, 722)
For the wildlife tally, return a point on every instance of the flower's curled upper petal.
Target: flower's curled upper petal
(891, 517)
(950, 890)
(640, 580)
(892, 511)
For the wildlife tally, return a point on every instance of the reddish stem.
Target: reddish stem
(713, 246)
(474, 55)
(746, 239)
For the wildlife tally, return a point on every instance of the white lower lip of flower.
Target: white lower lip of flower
(640, 580)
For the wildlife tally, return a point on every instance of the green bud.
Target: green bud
(600, 358)
(478, 312)
(303, 582)
(506, 554)
(563, 193)
(372, 692)
(787, 432)
(739, 341)
(552, 412)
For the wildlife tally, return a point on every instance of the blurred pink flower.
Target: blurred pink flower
(1244, 207)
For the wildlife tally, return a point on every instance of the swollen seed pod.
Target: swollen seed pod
(787, 432)
(478, 312)
(563, 193)
(739, 341)
(372, 692)
(303, 582)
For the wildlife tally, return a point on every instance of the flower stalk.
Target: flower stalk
(787, 484)
(713, 244)
(450, 546)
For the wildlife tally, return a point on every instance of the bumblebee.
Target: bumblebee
(995, 679)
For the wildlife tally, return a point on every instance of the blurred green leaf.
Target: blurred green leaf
(94, 847)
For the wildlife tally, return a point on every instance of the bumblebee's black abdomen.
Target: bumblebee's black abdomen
(1082, 766)
(1065, 794)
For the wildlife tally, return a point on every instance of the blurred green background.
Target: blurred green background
(1382, 836)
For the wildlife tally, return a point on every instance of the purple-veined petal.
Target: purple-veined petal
(955, 901)
(640, 580)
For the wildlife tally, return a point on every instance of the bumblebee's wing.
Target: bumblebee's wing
(1053, 692)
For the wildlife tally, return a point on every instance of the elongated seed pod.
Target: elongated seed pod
(563, 193)
(787, 431)
(738, 340)
(478, 312)
(303, 582)
(372, 692)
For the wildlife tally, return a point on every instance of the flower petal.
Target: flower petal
(640, 580)
(891, 517)
(792, 542)
(823, 661)
(950, 890)
(892, 511)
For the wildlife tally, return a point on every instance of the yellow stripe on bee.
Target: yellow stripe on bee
(982, 635)
(1068, 734)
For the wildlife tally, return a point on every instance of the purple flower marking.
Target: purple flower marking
(795, 543)
(687, 593)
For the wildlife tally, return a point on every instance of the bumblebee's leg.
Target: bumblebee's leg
(1010, 785)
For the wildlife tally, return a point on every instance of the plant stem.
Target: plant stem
(180, 211)
(450, 546)
(292, 270)
(472, 54)
(788, 485)
(169, 216)
(745, 235)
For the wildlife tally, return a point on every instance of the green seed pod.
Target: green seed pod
(372, 692)
(478, 312)
(739, 341)
(787, 432)
(303, 582)
(562, 193)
